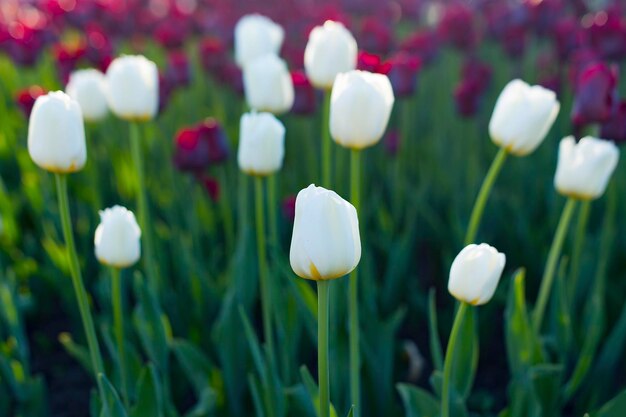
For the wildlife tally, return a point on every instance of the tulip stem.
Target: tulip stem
(142, 205)
(449, 359)
(272, 202)
(353, 302)
(579, 240)
(551, 264)
(118, 327)
(266, 292)
(77, 282)
(323, 290)
(326, 142)
(483, 195)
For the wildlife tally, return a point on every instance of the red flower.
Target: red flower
(457, 27)
(402, 69)
(375, 36)
(424, 44)
(67, 57)
(289, 208)
(26, 98)
(475, 78)
(595, 93)
(172, 32)
(305, 100)
(368, 62)
(211, 186)
(212, 54)
(615, 127)
(212, 132)
(178, 69)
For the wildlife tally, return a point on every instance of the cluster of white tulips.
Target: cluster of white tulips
(326, 242)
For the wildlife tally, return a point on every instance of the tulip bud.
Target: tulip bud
(56, 134)
(256, 36)
(261, 144)
(117, 238)
(325, 243)
(88, 88)
(522, 117)
(584, 169)
(133, 87)
(475, 273)
(267, 85)
(331, 50)
(360, 107)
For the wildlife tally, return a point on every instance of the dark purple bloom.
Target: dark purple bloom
(305, 99)
(594, 94)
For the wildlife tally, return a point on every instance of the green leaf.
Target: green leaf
(417, 402)
(149, 394)
(351, 412)
(546, 381)
(113, 406)
(255, 389)
(523, 349)
(78, 352)
(614, 408)
(433, 329)
(465, 356)
(195, 364)
(149, 322)
(206, 404)
(255, 349)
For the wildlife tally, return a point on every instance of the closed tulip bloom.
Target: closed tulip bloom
(267, 85)
(88, 88)
(325, 243)
(256, 36)
(56, 134)
(475, 273)
(360, 106)
(117, 239)
(331, 50)
(133, 87)
(261, 144)
(522, 117)
(584, 168)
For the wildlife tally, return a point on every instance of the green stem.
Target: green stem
(266, 291)
(118, 326)
(579, 240)
(448, 362)
(326, 142)
(483, 195)
(353, 302)
(272, 203)
(323, 289)
(142, 206)
(77, 282)
(551, 264)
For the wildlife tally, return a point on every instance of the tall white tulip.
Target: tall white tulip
(133, 87)
(56, 134)
(522, 117)
(88, 88)
(117, 238)
(268, 85)
(261, 144)
(331, 50)
(584, 169)
(256, 36)
(475, 273)
(325, 243)
(360, 107)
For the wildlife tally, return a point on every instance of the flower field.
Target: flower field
(312, 208)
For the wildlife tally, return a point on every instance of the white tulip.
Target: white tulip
(522, 117)
(88, 88)
(475, 273)
(325, 243)
(261, 144)
(360, 107)
(133, 87)
(56, 134)
(584, 169)
(118, 238)
(267, 84)
(256, 36)
(331, 50)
